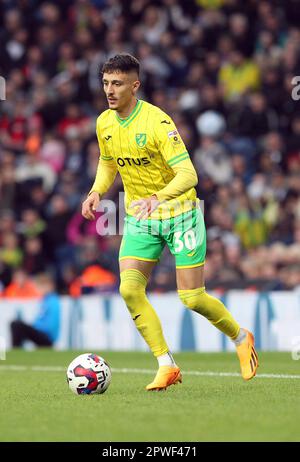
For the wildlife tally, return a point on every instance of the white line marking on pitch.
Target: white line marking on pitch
(18, 368)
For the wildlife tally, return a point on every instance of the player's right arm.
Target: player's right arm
(105, 176)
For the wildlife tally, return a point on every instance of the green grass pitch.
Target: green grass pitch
(36, 405)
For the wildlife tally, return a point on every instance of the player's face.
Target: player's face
(120, 88)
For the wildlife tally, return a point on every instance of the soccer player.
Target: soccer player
(142, 142)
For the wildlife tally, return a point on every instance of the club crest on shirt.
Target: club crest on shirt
(141, 139)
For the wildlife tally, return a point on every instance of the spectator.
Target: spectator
(21, 286)
(59, 216)
(252, 223)
(32, 170)
(256, 119)
(31, 224)
(10, 251)
(92, 280)
(238, 76)
(212, 159)
(45, 329)
(34, 261)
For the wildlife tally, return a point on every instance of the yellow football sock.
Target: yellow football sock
(133, 290)
(212, 309)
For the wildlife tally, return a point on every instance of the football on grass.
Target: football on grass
(88, 374)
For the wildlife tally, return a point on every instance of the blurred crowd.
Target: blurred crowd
(223, 70)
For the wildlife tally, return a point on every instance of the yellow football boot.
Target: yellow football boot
(166, 376)
(247, 356)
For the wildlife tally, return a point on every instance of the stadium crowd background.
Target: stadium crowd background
(223, 70)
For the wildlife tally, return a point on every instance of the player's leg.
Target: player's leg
(139, 252)
(134, 276)
(188, 244)
(191, 290)
(192, 293)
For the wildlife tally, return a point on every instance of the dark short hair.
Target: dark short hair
(123, 62)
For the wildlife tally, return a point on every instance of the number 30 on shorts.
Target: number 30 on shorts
(187, 240)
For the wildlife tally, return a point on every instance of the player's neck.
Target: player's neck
(125, 112)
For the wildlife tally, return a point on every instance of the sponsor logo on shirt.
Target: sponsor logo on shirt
(122, 161)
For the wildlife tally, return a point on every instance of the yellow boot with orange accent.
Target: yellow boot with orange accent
(166, 376)
(247, 356)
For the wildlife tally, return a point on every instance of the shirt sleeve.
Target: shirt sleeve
(177, 157)
(185, 178)
(106, 170)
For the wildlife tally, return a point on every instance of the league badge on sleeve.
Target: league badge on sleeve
(174, 137)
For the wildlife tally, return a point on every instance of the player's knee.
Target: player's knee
(132, 287)
(129, 293)
(191, 302)
(124, 291)
(193, 299)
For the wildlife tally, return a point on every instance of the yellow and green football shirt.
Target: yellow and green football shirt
(146, 149)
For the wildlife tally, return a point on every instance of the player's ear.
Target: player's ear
(135, 86)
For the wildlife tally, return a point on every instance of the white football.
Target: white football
(88, 374)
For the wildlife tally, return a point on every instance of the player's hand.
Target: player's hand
(145, 206)
(90, 205)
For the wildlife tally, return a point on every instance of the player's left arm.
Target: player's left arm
(185, 178)
(177, 157)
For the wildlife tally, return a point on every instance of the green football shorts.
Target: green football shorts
(184, 234)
